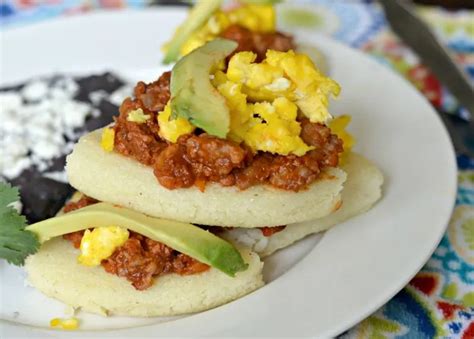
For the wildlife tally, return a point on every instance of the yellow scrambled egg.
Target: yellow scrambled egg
(108, 139)
(172, 129)
(265, 99)
(257, 18)
(338, 126)
(100, 244)
(287, 74)
(65, 324)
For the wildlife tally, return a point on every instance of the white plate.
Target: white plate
(355, 268)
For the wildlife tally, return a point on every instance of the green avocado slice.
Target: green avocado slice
(185, 238)
(198, 16)
(193, 97)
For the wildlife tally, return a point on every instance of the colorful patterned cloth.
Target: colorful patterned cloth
(439, 301)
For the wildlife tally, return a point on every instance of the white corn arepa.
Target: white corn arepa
(361, 190)
(54, 270)
(114, 178)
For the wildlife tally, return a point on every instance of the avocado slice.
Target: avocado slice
(185, 238)
(198, 16)
(193, 97)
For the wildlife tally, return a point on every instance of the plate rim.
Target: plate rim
(389, 293)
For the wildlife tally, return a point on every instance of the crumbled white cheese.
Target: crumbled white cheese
(45, 148)
(35, 90)
(59, 176)
(9, 101)
(118, 95)
(35, 122)
(97, 96)
(95, 113)
(68, 85)
(72, 113)
(41, 121)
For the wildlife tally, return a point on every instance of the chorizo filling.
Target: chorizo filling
(253, 26)
(140, 259)
(197, 158)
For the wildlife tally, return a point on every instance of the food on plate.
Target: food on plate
(252, 24)
(361, 190)
(108, 256)
(42, 118)
(225, 146)
(112, 177)
(247, 148)
(55, 272)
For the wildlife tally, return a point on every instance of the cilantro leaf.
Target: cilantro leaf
(16, 243)
(8, 195)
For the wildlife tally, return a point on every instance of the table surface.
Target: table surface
(439, 301)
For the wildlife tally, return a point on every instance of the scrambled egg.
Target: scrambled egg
(269, 126)
(257, 18)
(100, 244)
(137, 116)
(338, 126)
(287, 74)
(172, 129)
(65, 324)
(264, 99)
(108, 139)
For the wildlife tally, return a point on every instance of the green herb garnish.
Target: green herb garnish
(16, 243)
